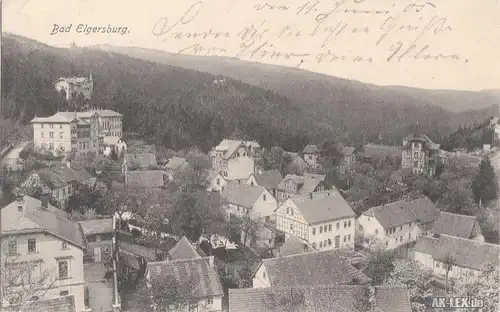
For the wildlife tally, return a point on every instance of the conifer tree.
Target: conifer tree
(485, 185)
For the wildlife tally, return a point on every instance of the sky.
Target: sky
(444, 44)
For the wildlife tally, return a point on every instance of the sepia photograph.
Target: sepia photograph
(250, 156)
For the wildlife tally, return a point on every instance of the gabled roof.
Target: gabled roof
(297, 165)
(60, 176)
(97, 226)
(183, 250)
(454, 224)
(59, 304)
(310, 149)
(144, 179)
(242, 194)
(307, 183)
(332, 298)
(293, 246)
(402, 212)
(100, 112)
(42, 220)
(138, 250)
(268, 179)
(323, 206)
(143, 160)
(464, 252)
(199, 269)
(313, 268)
(230, 146)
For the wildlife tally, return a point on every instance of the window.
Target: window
(264, 197)
(287, 210)
(63, 269)
(51, 146)
(437, 264)
(42, 134)
(400, 238)
(324, 243)
(314, 231)
(369, 218)
(376, 231)
(321, 229)
(51, 135)
(264, 274)
(349, 237)
(345, 238)
(19, 208)
(349, 223)
(61, 135)
(386, 243)
(313, 245)
(291, 227)
(320, 244)
(13, 247)
(31, 245)
(291, 212)
(360, 227)
(60, 126)
(329, 242)
(193, 307)
(338, 225)
(251, 183)
(63, 293)
(401, 228)
(337, 241)
(329, 227)
(345, 224)
(268, 219)
(210, 301)
(64, 245)
(51, 125)
(41, 125)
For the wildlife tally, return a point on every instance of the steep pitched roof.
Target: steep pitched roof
(144, 179)
(97, 226)
(200, 270)
(230, 146)
(242, 194)
(60, 176)
(401, 212)
(42, 220)
(454, 224)
(334, 298)
(310, 149)
(323, 206)
(138, 250)
(297, 165)
(465, 252)
(313, 268)
(294, 245)
(143, 160)
(307, 182)
(268, 179)
(59, 304)
(183, 250)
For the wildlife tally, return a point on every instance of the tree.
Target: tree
(485, 185)
(448, 263)
(482, 286)
(416, 278)
(379, 265)
(276, 158)
(330, 154)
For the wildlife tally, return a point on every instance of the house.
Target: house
(323, 219)
(114, 145)
(183, 250)
(332, 267)
(60, 180)
(60, 304)
(348, 161)
(335, 298)
(458, 225)
(74, 86)
(36, 232)
(297, 185)
(397, 223)
(311, 155)
(419, 154)
(293, 246)
(199, 276)
(376, 154)
(216, 182)
(269, 179)
(468, 257)
(297, 164)
(235, 160)
(138, 161)
(259, 205)
(99, 236)
(80, 133)
(140, 180)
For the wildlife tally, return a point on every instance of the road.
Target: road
(12, 157)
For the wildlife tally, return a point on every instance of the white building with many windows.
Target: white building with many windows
(323, 219)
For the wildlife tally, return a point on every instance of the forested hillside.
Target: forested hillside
(178, 108)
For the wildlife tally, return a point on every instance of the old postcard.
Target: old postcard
(250, 156)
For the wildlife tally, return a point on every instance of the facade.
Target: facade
(348, 161)
(467, 257)
(458, 225)
(208, 292)
(113, 145)
(61, 181)
(269, 180)
(34, 232)
(82, 133)
(74, 86)
(296, 185)
(216, 182)
(99, 236)
(419, 155)
(396, 224)
(235, 160)
(322, 219)
(311, 155)
(331, 267)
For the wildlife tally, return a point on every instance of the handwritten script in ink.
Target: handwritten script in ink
(321, 31)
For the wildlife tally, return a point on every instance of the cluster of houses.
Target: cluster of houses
(310, 229)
